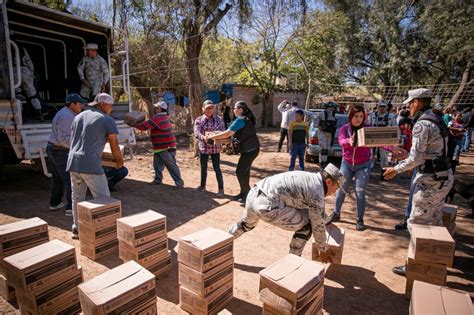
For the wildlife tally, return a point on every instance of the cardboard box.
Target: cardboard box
(99, 212)
(205, 249)
(141, 228)
(315, 307)
(147, 254)
(204, 283)
(107, 157)
(53, 298)
(335, 243)
(94, 251)
(98, 234)
(293, 278)
(437, 300)
(224, 312)
(213, 303)
(377, 136)
(22, 235)
(423, 270)
(39, 267)
(119, 290)
(6, 290)
(432, 243)
(449, 215)
(134, 118)
(162, 267)
(219, 141)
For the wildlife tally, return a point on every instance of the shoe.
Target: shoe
(154, 183)
(237, 197)
(242, 199)
(400, 270)
(220, 193)
(57, 207)
(201, 188)
(68, 213)
(402, 225)
(333, 217)
(360, 225)
(75, 234)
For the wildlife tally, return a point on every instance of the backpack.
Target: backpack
(328, 125)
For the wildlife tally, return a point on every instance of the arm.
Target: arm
(222, 135)
(198, 130)
(282, 106)
(80, 69)
(114, 147)
(307, 134)
(316, 217)
(105, 71)
(148, 124)
(64, 130)
(290, 136)
(418, 149)
(343, 137)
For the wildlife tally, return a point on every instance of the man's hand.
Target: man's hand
(325, 255)
(85, 82)
(119, 164)
(389, 173)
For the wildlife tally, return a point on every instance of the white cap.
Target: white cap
(418, 93)
(102, 98)
(161, 104)
(92, 46)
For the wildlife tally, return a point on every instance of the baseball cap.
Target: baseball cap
(92, 46)
(161, 104)
(207, 103)
(75, 98)
(382, 103)
(102, 98)
(418, 93)
(332, 171)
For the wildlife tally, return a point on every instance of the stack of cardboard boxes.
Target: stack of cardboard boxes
(98, 226)
(108, 158)
(335, 244)
(45, 278)
(430, 252)
(143, 238)
(206, 271)
(449, 217)
(126, 289)
(17, 237)
(300, 282)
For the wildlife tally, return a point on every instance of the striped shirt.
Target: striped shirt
(161, 134)
(299, 132)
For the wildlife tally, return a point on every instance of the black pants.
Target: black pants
(243, 170)
(216, 160)
(283, 135)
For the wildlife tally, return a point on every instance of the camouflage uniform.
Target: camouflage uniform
(377, 120)
(96, 71)
(324, 138)
(429, 193)
(293, 201)
(27, 79)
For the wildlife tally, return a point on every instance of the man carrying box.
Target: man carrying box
(293, 201)
(428, 155)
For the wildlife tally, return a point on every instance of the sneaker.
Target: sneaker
(360, 225)
(57, 207)
(75, 234)
(242, 199)
(402, 225)
(154, 183)
(237, 197)
(201, 188)
(68, 213)
(400, 270)
(220, 193)
(333, 217)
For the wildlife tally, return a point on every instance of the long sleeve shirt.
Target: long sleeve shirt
(161, 132)
(204, 124)
(61, 127)
(93, 69)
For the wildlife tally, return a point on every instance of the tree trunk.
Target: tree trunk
(465, 79)
(267, 112)
(193, 51)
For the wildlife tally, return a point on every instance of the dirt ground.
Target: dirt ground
(364, 284)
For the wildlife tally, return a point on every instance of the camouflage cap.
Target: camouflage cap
(417, 93)
(335, 174)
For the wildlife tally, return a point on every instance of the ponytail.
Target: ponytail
(246, 112)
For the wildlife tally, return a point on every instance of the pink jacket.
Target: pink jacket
(357, 155)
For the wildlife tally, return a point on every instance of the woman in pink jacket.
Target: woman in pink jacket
(355, 164)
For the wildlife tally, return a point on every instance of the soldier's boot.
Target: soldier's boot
(402, 225)
(400, 270)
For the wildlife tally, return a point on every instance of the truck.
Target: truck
(55, 42)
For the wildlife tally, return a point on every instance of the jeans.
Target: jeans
(216, 160)
(283, 135)
(167, 159)
(97, 184)
(467, 138)
(361, 172)
(243, 170)
(297, 151)
(57, 159)
(115, 175)
(410, 196)
(459, 148)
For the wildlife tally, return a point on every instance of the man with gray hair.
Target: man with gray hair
(428, 156)
(91, 130)
(293, 201)
(93, 72)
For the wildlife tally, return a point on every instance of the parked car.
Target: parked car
(312, 152)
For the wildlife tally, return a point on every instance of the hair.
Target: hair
(246, 112)
(299, 111)
(357, 109)
(426, 102)
(405, 113)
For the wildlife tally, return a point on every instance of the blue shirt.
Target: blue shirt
(237, 124)
(61, 127)
(90, 130)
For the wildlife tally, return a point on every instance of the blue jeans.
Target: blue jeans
(410, 195)
(361, 172)
(167, 159)
(115, 175)
(459, 147)
(216, 161)
(297, 151)
(57, 159)
(467, 139)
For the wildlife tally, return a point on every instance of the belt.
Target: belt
(171, 149)
(57, 147)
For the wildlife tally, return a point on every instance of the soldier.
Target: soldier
(293, 201)
(428, 155)
(382, 118)
(327, 126)
(93, 72)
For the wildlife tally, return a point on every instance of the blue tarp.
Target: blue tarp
(213, 96)
(169, 98)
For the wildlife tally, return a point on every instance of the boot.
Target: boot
(399, 270)
(402, 225)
